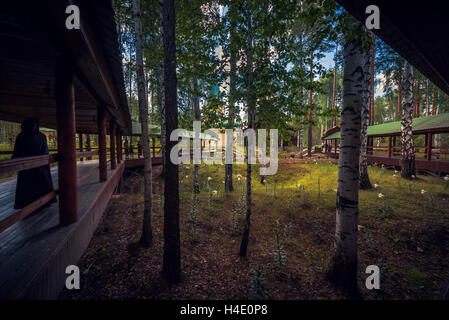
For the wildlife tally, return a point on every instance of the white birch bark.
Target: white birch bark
(343, 271)
(408, 155)
(364, 182)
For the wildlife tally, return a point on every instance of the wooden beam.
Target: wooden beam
(102, 144)
(428, 146)
(389, 147)
(65, 115)
(117, 139)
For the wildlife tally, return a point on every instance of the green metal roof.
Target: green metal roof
(46, 129)
(155, 130)
(440, 121)
(335, 135)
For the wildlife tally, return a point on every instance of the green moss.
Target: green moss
(416, 277)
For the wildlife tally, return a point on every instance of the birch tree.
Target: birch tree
(343, 269)
(147, 235)
(364, 182)
(233, 56)
(408, 155)
(250, 106)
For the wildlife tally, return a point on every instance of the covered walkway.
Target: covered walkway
(386, 149)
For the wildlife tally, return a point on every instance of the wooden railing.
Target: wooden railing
(421, 152)
(22, 213)
(18, 164)
(136, 150)
(25, 163)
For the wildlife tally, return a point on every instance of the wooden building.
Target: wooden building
(386, 148)
(72, 82)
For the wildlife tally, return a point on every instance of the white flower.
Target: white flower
(376, 185)
(239, 175)
(423, 191)
(215, 192)
(446, 178)
(238, 178)
(187, 167)
(380, 195)
(335, 190)
(413, 176)
(209, 178)
(394, 176)
(187, 177)
(224, 182)
(395, 171)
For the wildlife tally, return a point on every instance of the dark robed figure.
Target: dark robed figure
(35, 183)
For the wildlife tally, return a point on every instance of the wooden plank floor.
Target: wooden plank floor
(29, 246)
(8, 187)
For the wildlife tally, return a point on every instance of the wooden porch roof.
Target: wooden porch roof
(435, 124)
(33, 34)
(414, 30)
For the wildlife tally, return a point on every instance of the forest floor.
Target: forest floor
(405, 233)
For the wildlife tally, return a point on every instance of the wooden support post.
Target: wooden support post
(88, 148)
(65, 117)
(369, 149)
(112, 144)
(394, 145)
(429, 146)
(119, 146)
(102, 145)
(389, 146)
(80, 141)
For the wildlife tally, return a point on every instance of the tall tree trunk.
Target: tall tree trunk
(399, 97)
(301, 137)
(171, 266)
(373, 60)
(250, 107)
(161, 94)
(301, 96)
(309, 132)
(147, 234)
(343, 269)
(334, 88)
(408, 155)
(196, 116)
(427, 97)
(231, 107)
(364, 182)
(130, 81)
(437, 137)
(433, 102)
(418, 99)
